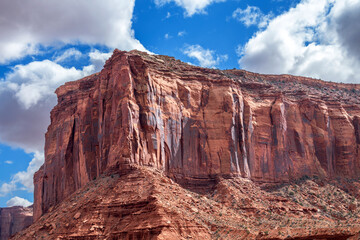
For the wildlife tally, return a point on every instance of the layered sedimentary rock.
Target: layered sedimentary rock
(196, 124)
(13, 220)
(143, 203)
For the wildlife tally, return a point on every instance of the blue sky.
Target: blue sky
(216, 29)
(47, 43)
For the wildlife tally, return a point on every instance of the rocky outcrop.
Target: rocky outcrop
(144, 203)
(13, 220)
(196, 125)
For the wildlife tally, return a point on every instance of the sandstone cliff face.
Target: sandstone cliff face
(196, 124)
(13, 220)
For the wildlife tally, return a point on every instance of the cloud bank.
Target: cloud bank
(27, 91)
(18, 201)
(27, 97)
(23, 26)
(317, 38)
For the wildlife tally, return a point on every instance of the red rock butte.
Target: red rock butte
(196, 124)
(13, 220)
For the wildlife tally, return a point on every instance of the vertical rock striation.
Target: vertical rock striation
(196, 124)
(13, 220)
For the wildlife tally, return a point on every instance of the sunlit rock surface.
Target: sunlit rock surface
(196, 125)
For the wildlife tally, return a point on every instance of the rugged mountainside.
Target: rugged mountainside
(13, 220)
(143, 203)
(194, 124)
(205, 129)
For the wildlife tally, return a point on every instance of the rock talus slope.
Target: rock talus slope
(13, 220)
(196, 124)
(144, 203)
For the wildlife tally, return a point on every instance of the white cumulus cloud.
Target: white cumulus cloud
(69, 54)
(26, 97)
(25, 25)
(98, 59)
(316, 38)
(6, 188)
(23, 180)
(181, 33)
(18, 201)
(206, 57)
(38, 80)
(251, 16)
(191, 6)
(27, 91)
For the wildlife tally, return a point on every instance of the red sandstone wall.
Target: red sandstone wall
(193, 123)
(13, 220)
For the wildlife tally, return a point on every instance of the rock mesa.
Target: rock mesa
(195, 125)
